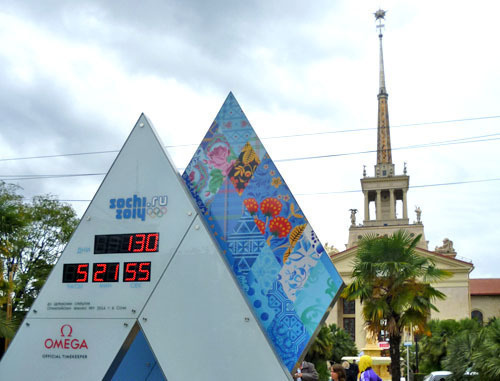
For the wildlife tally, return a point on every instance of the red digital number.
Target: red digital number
(130, 241)
(144, 269)
(106, 272)
(98, 272)
(117, 270)
(152, 238)
(130, 272)
(140, 241)
(137, 272)
(83, 271)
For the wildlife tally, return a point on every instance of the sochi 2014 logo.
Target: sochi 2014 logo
(136, 207)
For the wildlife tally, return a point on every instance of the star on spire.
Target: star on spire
(380, 14)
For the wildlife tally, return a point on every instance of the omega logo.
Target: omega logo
(67, 342)
(70, 330)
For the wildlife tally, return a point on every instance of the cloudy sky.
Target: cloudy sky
(75, 76)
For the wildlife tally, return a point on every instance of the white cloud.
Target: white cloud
(76, 78)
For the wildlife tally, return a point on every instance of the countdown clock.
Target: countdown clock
(126, 238)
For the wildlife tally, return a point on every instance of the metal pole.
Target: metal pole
(416, 353)
(408, 362)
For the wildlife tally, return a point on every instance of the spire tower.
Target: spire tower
(384, 166)
(385, 205)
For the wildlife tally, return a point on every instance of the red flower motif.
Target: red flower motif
(270, 206)
(251, 205)
(261, 225)
(280, 227)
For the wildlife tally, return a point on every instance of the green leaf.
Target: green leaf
(216, 180)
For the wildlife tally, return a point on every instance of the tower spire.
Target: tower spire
(380, 27)
(384, 165)
(386, 189)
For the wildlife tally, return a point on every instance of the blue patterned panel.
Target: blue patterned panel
(259, 298)
(274, 254)
(245, 244)
(232, 123)
(315, 294)
(286, 331)
(266, 269)
(297, 268)
(227, 208)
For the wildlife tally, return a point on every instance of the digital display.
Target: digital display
(75, 272)
(126, 243)
(105, 272)
(137, 272)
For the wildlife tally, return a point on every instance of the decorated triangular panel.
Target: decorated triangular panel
(268, 243)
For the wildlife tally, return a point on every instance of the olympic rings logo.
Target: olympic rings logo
(157, 211)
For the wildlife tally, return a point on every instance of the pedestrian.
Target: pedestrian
(365, 367)
(338, 372)
(306, 372)
(351, 370)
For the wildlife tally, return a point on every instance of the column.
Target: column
(405, 209)
(378, 204)
(367, 206)
(392, 205)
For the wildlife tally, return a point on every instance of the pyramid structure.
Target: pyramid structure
(141, 291)
(272, 250)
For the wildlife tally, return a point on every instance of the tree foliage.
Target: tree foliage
(461, 348)
(343, 344)
(11, 222)
(468, 349)
(487, 357)
(320, 352)
(393, 283)
(32, 236)
(331, 344)
(434, 345)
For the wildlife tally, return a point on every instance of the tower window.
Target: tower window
(350, 327)
(478, 315)
(384, 173)
(349, 307)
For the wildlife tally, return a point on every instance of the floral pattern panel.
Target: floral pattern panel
(281, 267)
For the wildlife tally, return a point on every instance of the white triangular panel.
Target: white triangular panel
(141, 194)
(142, 174)
(213, 332)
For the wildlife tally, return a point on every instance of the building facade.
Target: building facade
(485, 298)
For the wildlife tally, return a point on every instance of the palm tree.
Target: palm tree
(320, 351)
(461, 349)
(393, 284)
(487, 358)
(343, 344)
(434, 345)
